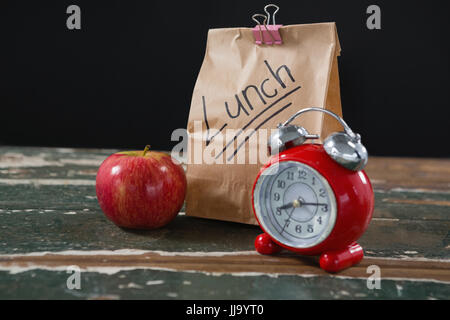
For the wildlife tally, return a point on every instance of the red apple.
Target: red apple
(140, 189)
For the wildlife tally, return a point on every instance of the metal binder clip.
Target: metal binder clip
(274, 13)
(268, 33)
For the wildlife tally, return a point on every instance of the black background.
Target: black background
(126, 78)
(177, 308)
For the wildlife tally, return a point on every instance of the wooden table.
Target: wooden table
(50, 220)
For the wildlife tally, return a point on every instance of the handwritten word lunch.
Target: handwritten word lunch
(251, 107)
(260, 92)
(243, 106)
(252, 112)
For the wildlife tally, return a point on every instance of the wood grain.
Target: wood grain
(412, 173)
(284, 264)
(48, 204)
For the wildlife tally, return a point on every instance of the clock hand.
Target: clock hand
(286, 206)
(298, 203)
(294, 204)
(287, 220)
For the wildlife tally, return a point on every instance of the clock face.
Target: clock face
(295, 204)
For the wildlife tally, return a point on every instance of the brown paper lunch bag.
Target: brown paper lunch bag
(242, 85)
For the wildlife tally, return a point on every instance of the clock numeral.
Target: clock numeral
(325, 208)
(302, 174)
(310, 228)
(276, 196)
(313, 181)
(298, 228)
(287, 222)
(278, 212)
(281, 184)
(322, 193)
(290, 175)
(319, 220)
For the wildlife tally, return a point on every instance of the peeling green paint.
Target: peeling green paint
(184, 285)
(36, 217)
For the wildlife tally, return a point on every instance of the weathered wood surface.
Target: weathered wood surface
(50, 220)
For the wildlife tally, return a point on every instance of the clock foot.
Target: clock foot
(335, 261)
(265, 245)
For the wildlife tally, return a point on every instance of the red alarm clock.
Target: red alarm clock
(314, 199)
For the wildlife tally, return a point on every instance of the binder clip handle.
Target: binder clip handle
(259, 37)
(277, 8)
(266, 34)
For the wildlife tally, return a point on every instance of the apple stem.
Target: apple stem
(147, 147)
